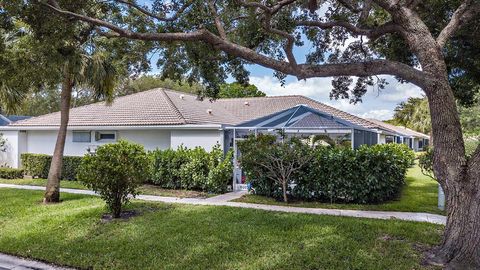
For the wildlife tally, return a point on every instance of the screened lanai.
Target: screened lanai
(311, 125)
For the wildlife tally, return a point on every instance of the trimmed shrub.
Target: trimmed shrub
(166, 165)
(38, 165)
(371, 174)
(194, 169)
(11, 173)
(115, 171)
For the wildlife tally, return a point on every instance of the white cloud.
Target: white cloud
(396, 91)
(378, 114)
(313, 88)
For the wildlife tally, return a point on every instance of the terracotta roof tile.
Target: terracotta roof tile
(168, 107)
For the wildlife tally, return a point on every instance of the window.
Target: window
(105, 136)
(82, 136)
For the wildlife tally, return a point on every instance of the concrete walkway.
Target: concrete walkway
(17, 263)
(224, 200)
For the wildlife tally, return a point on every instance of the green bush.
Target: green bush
(371, 174)
(166, 164)
(11, 173)
(115, 171)
(38, 165)
(194, 169)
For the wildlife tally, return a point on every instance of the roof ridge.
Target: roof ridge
(173, 105)
(265, 97)
(178, 92)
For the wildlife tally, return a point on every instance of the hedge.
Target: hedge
(194, 169)
(370, 174)
(38, 165)
(11, 173)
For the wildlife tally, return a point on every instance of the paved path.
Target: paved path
(17, 263)
(224, 200)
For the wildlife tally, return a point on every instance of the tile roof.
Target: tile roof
(250, 108)
(397, 129)
(167, 107)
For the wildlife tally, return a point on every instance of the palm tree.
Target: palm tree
(81, 70)
(420, 120)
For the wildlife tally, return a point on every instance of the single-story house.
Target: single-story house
(413, 139)
(161, 118)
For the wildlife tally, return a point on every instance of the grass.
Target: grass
(203, 237)
(419, 195)
(145, 189)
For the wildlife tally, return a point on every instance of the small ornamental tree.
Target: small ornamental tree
(278, 161)
(115, 171)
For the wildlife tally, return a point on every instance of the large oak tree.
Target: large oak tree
(410, 39)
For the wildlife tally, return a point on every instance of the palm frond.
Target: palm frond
(10, 98)
(99, 74)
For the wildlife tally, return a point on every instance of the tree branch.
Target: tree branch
(372, 34)
(302, 71)
(218, 22)
(151, 14)
(120, 32)
(350, 6)
(465, 12)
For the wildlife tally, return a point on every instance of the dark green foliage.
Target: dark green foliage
(11, 173)
(237, 90)
(115, 171)
(38, 165)
(425, 161)
(368, 175)
(194, 169)
(166, 164)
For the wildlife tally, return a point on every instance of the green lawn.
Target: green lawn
(419, 195)
(145, 189)
(203, 237)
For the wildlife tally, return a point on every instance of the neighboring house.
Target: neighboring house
(7, 120)
(413, 139)
(161, 118)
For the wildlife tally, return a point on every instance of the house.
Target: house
(161, 118)
(413, 139)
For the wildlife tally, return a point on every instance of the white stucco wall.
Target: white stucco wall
(382, 139)
(192, 138)
(43, 142)
(15, 143)
(151, 139)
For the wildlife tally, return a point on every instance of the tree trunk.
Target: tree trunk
(52, 193)
(459, 178)
(284, 187)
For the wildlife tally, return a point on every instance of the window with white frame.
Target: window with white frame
(105, 136)
(81, 136)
